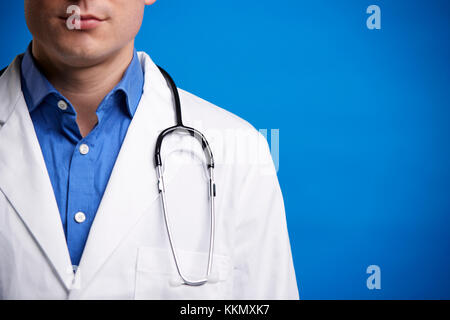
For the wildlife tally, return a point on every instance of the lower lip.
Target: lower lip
(88, 24)
(85, 24)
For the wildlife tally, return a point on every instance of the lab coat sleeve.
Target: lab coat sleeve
(264, 266)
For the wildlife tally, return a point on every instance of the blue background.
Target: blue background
(363, 118)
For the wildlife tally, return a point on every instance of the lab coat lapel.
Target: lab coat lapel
(24, 178)
(132, 187)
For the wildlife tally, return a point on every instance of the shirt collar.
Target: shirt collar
(34, 84)
(37, 87)
(132, 84)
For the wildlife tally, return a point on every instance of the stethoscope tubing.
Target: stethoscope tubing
(211, 187)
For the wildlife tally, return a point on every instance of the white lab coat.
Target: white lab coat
(127, 255)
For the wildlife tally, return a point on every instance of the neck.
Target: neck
(86, 86)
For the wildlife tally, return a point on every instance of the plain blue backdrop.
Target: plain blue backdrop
(363, 118)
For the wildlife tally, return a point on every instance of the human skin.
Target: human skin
(84, 65)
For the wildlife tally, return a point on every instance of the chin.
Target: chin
(81, 53)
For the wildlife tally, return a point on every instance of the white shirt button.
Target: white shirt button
(80, 217)
(62, 105)
(84, 148)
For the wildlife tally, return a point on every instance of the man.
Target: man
(80, 208)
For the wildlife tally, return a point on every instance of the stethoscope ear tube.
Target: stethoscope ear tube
(211, 188)
(184, 279)
(194, 133)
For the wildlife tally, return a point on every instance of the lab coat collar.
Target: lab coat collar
(130, 193)
(23, 175)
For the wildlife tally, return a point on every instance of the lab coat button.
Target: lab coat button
(84, 148)
(80, 217)
(62, 105)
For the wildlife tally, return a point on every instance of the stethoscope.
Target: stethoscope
(212, 187)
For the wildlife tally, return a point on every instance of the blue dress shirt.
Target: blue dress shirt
(79, 168)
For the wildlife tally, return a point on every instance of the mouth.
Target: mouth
(83, 22)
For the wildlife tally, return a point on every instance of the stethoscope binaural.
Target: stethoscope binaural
(212, 187)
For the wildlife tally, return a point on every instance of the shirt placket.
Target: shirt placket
(79, 215)
(79, 211)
